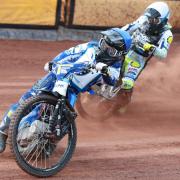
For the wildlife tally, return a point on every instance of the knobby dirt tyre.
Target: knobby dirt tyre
(72, 138)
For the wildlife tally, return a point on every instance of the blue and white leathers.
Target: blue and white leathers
(69, 62)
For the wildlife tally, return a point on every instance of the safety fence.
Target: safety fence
(29, 13)
(83, 14)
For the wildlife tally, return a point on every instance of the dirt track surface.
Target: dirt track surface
(142, 143)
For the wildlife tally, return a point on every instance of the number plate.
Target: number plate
(61, 87)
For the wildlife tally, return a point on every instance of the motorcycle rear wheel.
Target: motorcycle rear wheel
(101, 108)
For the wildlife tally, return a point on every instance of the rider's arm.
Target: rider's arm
(164, 45)
(135, 25)
(71, 54)
(68, 56)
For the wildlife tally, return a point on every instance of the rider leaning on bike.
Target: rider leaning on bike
(153, 32)
(151, 36)
(105, 55)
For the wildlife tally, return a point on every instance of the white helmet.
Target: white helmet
(158, 14)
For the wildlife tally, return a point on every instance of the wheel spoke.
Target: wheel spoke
(31, 146)
(33, 152)
(39, 152)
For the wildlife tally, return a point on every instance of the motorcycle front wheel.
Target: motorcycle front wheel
(33, 151)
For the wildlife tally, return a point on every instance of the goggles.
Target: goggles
(154, 21)
(112, 52)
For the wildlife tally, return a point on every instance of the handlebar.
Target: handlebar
(104, 70)
(88, 68)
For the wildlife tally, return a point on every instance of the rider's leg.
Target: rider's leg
(46, 83)
(6, 119)
(131, 70)
(4, 126)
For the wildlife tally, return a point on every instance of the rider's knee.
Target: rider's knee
(127, 84)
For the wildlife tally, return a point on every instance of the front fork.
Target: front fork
(56, 115)
(61, 118)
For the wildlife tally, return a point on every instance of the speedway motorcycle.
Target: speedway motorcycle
(42, 132)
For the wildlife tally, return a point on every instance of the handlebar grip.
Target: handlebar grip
(105, 70)
(50, 66)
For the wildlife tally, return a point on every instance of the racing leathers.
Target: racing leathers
(145, 45)
(79, 56)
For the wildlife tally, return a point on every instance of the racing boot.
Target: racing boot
(4, 126)
(3, 138)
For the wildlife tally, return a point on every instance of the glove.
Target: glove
(103, 68)
(148, 47)
(99, 66)
(48, 66)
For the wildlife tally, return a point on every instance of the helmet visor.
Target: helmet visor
(153, 16)
(111, 51)
(154, 21)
